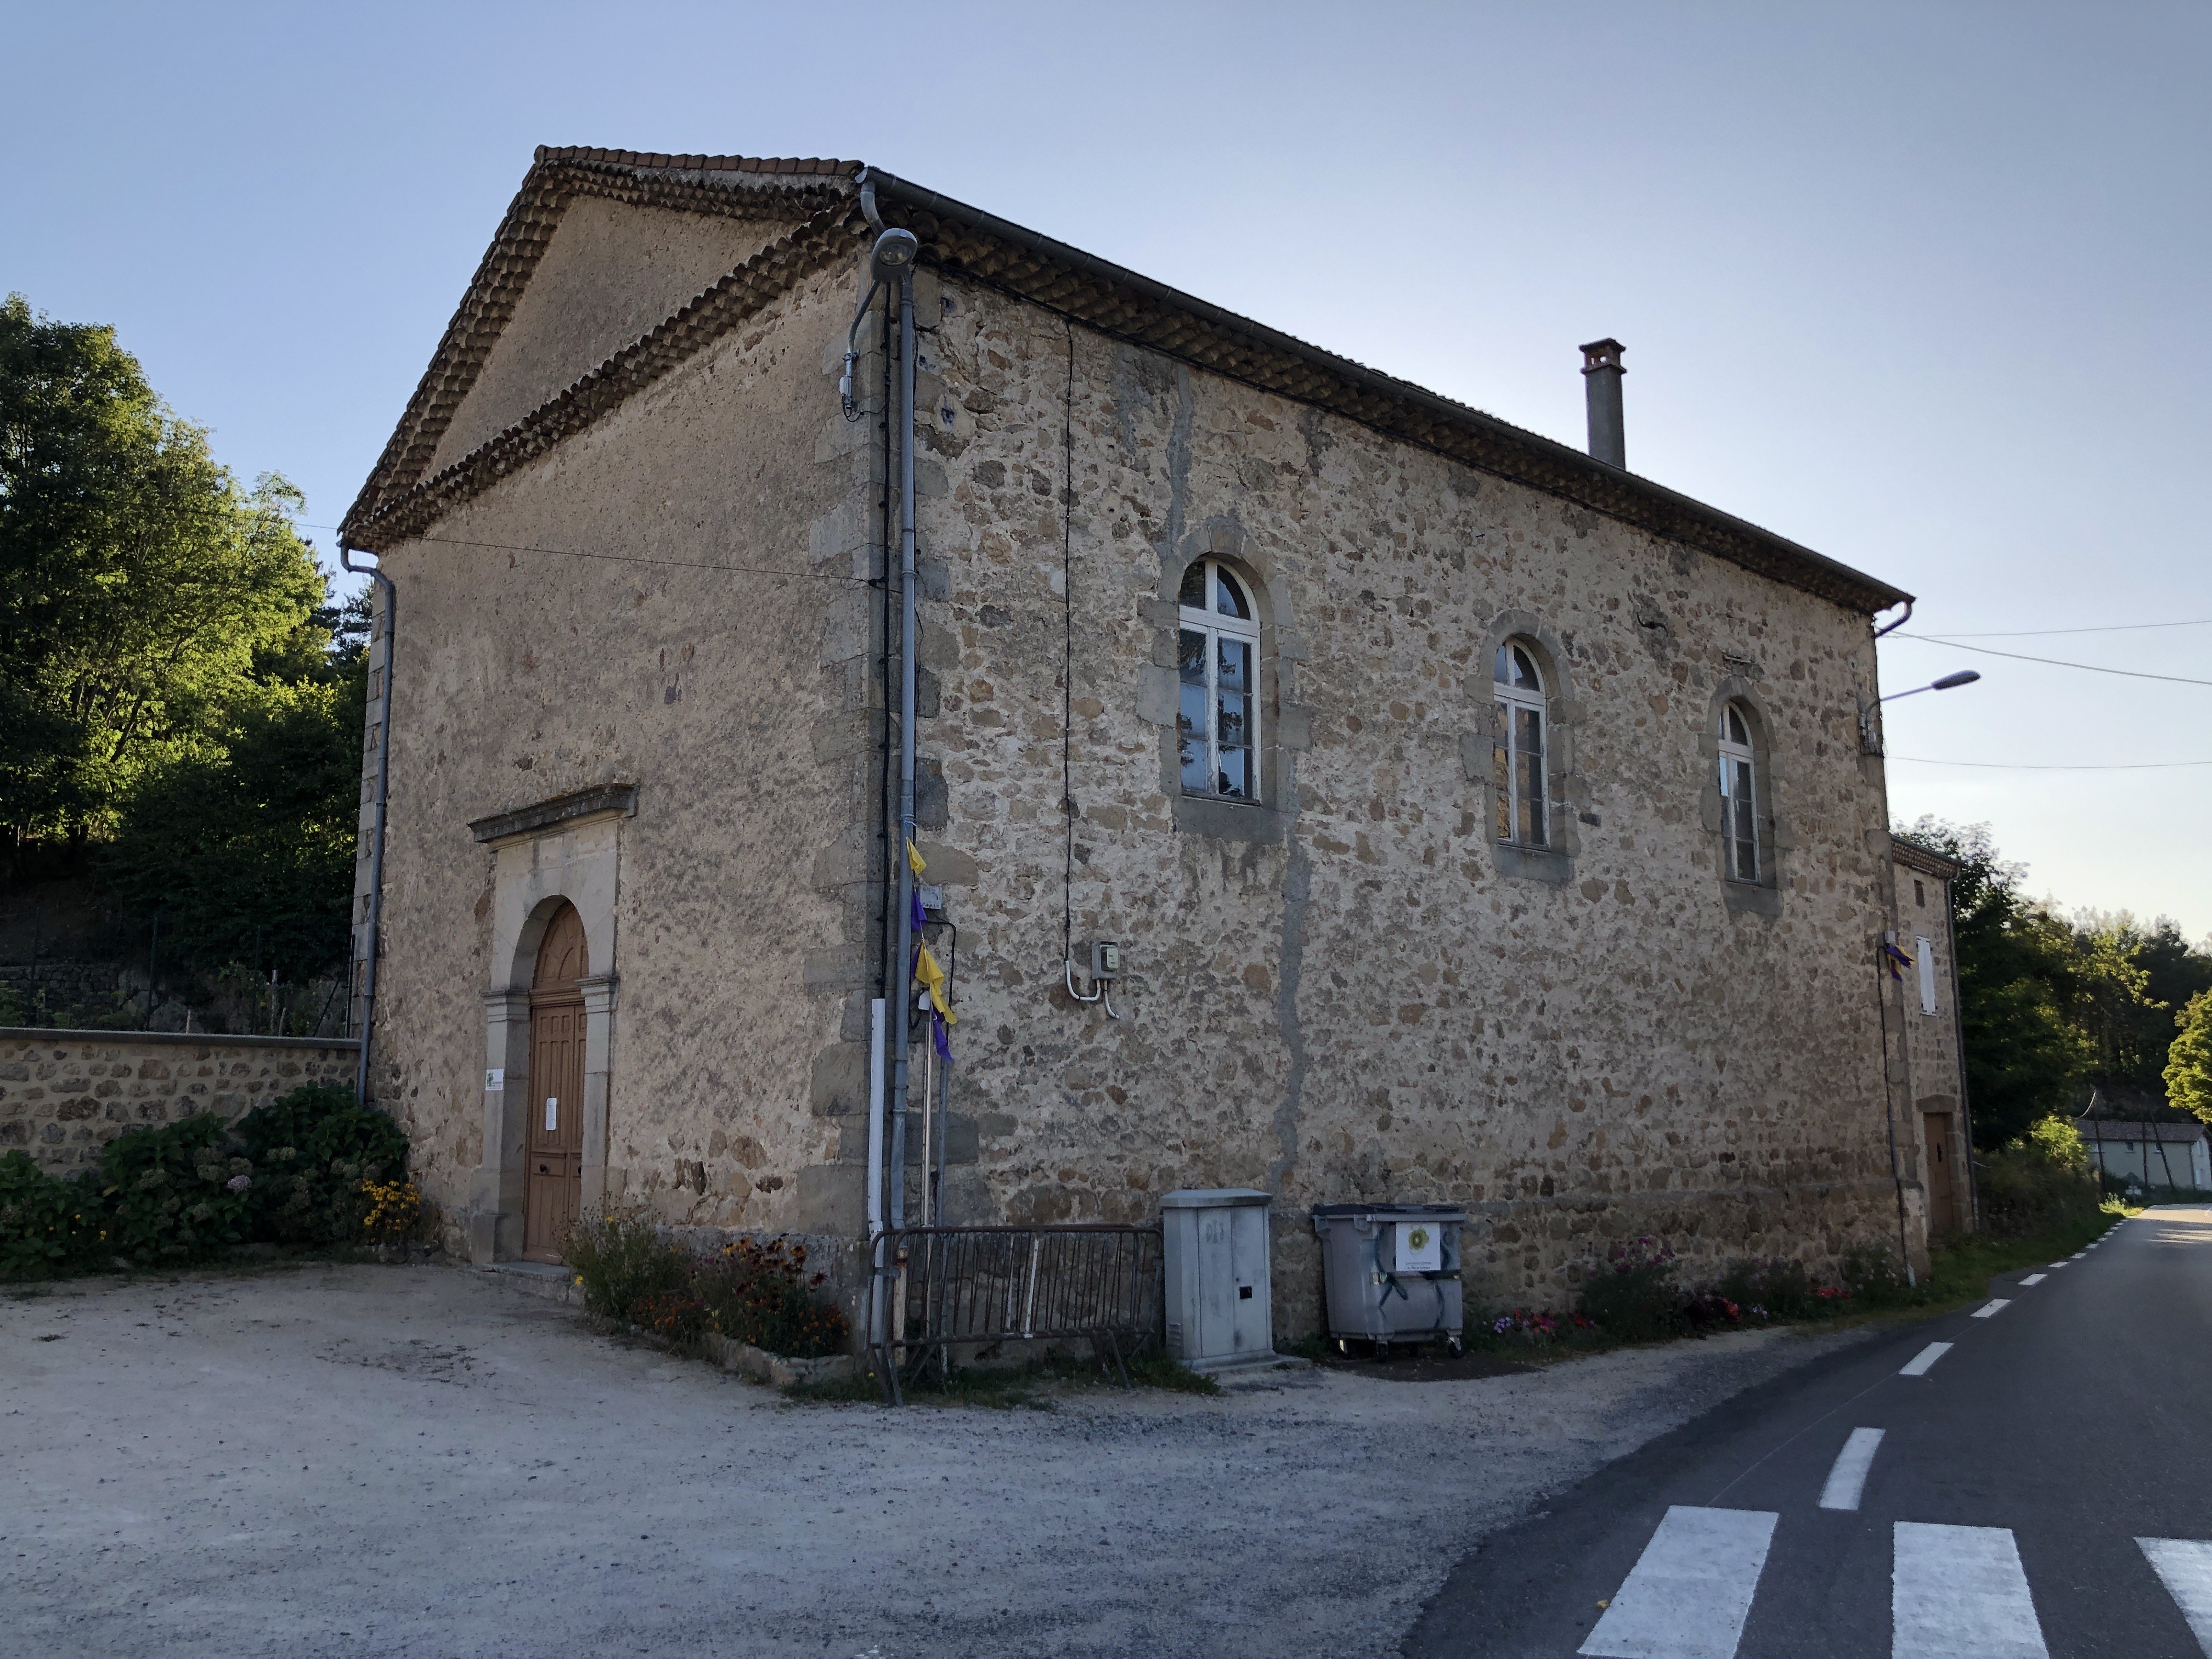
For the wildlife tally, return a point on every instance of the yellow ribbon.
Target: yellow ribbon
(928, 974)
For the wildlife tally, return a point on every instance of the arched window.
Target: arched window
(1518, 755)
(1739, 796)
(1218, 729)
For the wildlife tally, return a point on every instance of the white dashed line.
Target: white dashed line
(1690, 1591)
(1959, 1593)
(2032, 1279)
(1919, 1364)
(1993, 1308)
(1847, 1480)
(2056, 1266)
(2185, 1567)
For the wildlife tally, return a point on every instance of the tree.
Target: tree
(2189, 1062)
(139, 580)
(2021, 986)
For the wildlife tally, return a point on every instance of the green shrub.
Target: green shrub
(48, 1224)
(2039, 1183)
(621, 1258)
(1779, 1289)
(313, 1151)
(761, 1293)
(1634, 1298)
(174, 1193)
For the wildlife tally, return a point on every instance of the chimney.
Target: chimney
(1601, 372)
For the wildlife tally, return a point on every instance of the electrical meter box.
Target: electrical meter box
(1219, 1299)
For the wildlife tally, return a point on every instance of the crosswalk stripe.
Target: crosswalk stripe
(1996, 1307)
(1960, 1593)
(1690, 1591)
(2185, 1566)
(2032, 1279)
(1847, 1480)
(1919, 1364)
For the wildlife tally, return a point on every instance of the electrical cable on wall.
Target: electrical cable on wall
(1068, 672)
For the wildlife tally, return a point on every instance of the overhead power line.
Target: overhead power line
(2016, 656)
(2019, 766)
(2108, 628)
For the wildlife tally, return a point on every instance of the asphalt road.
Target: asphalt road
(2040, 1486)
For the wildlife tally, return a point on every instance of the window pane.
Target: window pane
(1235, 772)
(1191, 655)
(1502, 670)
(1524, 672)
(1190, 737)
(1736, 727)
(1235, 665)
(1501, 773)
(1231, 730)
(1229, 598)
(1528, 773)
(1193, 587)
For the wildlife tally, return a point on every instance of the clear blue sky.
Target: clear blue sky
(1920, 286)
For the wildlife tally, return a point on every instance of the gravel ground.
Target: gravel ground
(372, 1461)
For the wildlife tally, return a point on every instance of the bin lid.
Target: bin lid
(1389, 1213)
(1211, 1198)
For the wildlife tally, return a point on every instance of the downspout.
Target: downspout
(892, 261)
(901, 967)
(375, 573)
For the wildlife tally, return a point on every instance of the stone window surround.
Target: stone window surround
(1764, 896)
(1282, 727)
(1553, 864)
(566, 850)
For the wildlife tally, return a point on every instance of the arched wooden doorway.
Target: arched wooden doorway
(555, 1146)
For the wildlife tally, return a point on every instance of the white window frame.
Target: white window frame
(1217, 625)
(1739, 766)
(1507, 753)
(1923, 958)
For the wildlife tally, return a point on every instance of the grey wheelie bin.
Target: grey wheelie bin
(1392, 1272)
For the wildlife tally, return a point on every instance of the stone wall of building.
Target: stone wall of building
(1346, 990)
(65, 1094)
(1930, 1080)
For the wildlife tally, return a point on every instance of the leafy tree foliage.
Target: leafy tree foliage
(141, 584)
(2189, 1062)
(2046, 1006)
(246, 849)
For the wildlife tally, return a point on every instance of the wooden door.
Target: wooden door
(1942, 1190)
(554, 1144)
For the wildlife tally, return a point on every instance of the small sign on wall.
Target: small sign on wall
(552, 1113)
(1420, 1247)
(495, 1081)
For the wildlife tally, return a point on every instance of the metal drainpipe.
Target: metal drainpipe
(902, 969)
(375, 573)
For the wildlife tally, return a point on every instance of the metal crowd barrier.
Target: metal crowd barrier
(936, 1288)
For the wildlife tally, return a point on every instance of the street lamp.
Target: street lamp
(1964, 676)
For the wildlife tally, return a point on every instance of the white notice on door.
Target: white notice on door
(494, 1081)
(552, 1114)
(1420, 1247)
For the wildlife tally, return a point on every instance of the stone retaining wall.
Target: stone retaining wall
(64, 1094)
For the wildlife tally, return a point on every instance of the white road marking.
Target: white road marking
(2057, 1264)
(2077, 1255)
(2032, 1279)
(1959, 1593)
(1919, 1364)
(1690, 1591)
(1848, 1478)
(2184, 1566)
(1993, 1308)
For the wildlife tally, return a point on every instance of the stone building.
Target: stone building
(1477, 820)
(1925, 989)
